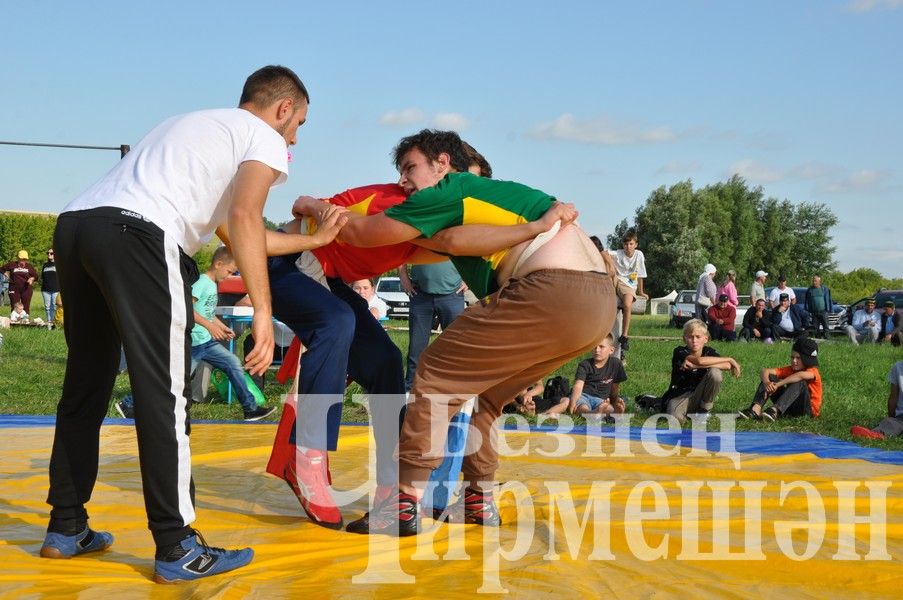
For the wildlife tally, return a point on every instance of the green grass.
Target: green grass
(855, 379)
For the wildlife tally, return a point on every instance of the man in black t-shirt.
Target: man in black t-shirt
(696, 373)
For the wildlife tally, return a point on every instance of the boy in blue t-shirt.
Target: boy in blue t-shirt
(209, 331)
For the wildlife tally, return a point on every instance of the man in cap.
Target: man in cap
(722, 317)
(706, 292)
(890, 328)
(22, 275)
(758, 287)
(866, 325)
(785, 322)
(774, 299)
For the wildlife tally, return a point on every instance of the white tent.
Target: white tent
(661, 306)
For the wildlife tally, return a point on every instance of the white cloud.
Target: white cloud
(600, 131)
(865, 180)
(755, 172)
(811, 170)
(676, 167)
(862, 6)
(452, 121)
(401, 118)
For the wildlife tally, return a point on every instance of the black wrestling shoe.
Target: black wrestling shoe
(475, 508)
(397, 516)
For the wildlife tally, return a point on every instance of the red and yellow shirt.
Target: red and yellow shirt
(351, 263)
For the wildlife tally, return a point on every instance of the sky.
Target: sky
(597, 103)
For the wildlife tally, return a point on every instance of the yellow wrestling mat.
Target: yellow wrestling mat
(657, 527)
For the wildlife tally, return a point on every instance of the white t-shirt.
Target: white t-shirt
(630, 268)
(775, 296)
(180, 175)
(379, 304)
(895, 377)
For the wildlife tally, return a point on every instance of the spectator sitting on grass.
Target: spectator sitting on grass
(757, 323)
(696, 373)
(18, 314)
(597, 383)
(532, 401)
(866, 325)
(892, 425)
(786, 322)
(794, 390)
(722, 317)
(890, 328)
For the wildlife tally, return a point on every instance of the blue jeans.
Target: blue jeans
(50, 305)
(420, 323)
(591, 401)
(219, 356)
(342, 339)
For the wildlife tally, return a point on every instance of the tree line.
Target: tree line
(680, 229)
(735, 226)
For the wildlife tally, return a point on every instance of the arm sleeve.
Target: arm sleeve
(581, 371)
(430, 210)
(621, 374)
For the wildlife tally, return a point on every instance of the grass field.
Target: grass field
(32, 362)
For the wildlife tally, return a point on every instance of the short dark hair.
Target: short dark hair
(598, 243)
(221, 254)
(630, 234)
(432, 143)
(272, 83)
(479, 160)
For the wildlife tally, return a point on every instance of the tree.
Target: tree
(731, 226)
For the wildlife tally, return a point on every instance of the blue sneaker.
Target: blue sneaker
(57, 545)
(196, 560)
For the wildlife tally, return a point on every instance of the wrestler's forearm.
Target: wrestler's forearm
(480, 240)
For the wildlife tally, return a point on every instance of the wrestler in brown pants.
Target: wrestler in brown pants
(523, 332)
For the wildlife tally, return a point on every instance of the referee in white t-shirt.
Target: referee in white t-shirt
(125, 269)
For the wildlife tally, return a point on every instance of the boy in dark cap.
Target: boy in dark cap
(794, 390)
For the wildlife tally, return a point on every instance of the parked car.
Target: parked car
(837, 317)
(390, 290)
(683, 308)
(880, 298)
(743, 305)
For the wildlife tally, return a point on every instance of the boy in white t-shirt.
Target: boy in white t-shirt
(631, 267)
(378, 307)
(125, 269)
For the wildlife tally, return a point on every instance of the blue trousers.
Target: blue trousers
(420, 323)
(219, 356)
(342, 339)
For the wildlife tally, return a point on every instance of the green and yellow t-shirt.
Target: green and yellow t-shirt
(466, 199)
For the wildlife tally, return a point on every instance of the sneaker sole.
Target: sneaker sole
(263, 416)
(768, 417)
(335, 525)
(52, 552)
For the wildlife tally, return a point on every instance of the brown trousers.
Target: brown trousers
(523, 332)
